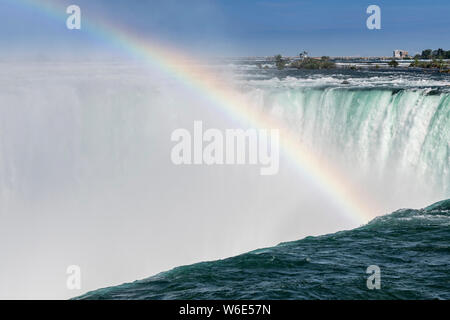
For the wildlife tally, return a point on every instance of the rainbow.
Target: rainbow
(170, 61)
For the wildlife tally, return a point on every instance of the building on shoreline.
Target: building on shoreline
(400, 54)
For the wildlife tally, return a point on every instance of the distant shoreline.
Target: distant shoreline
(326, 62)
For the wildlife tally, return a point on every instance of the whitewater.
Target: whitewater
(86, 176)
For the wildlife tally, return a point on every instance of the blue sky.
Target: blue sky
(236, 27)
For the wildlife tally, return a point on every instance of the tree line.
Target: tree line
(433, 54)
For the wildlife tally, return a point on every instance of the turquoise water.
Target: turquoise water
(86, 179)
(411, 248)
(374, 129)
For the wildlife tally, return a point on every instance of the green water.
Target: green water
(411, 248)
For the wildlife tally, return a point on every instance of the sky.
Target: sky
(234, 27)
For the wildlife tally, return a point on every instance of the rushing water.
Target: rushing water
(86, 179)
(410, 247)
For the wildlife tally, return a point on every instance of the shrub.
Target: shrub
(309, 63)
(393, 63)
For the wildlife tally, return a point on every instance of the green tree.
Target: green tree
(440, 53)
(393, 63)
(280, 62)
(426, 54)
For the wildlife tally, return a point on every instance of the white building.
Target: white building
(400, 54)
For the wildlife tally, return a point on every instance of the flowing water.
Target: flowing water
(410, 247)
(86, 179)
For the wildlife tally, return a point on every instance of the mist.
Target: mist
(86, 179)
